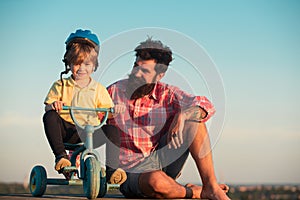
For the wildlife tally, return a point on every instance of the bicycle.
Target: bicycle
(92, 176)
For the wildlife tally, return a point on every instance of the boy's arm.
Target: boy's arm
(54, 95)
(48, 107)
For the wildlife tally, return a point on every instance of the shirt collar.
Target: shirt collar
(71, 82)
(154, 94)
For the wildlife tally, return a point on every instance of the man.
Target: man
(159, 126)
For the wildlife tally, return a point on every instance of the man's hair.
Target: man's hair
(156, 50)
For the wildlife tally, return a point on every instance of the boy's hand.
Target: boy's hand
(57, 105)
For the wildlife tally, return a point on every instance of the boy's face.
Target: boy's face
(84, 70)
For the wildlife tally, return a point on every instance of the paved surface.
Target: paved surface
(62, 197)
(48, 196)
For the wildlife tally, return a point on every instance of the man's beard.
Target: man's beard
(137, 87)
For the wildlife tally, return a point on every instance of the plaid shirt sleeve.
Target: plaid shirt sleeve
(185, 100)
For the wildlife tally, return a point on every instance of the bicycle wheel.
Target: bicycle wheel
(91, 181)
(38, 181)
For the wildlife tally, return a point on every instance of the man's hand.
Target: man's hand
(175, 136)
(119, 109)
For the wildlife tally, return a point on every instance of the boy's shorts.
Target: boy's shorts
(170, 161)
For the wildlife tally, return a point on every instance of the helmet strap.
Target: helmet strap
(61, 78)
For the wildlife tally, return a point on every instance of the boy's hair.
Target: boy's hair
(156, 50)
(78, 50)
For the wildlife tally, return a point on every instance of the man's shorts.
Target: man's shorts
(170, 161)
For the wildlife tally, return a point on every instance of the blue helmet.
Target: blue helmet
(83, 37)
(84, 34)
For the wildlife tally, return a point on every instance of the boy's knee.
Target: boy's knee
(50, 115)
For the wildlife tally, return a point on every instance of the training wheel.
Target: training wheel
(38, 181)
(103, 184)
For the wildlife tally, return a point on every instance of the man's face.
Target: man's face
(142, 78)
(144, 71)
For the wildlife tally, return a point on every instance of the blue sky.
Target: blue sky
(254, 44)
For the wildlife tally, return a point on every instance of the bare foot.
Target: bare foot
(197, 190)
(215, 193)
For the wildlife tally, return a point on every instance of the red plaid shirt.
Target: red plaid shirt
(146, 119)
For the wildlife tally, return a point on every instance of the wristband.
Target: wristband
(188, 193)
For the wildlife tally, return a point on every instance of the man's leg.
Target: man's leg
(114, 174)
(148, 180)
(161, 183)
(200, 150)
(158, 184)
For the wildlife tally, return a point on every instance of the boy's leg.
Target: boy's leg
(59, 131)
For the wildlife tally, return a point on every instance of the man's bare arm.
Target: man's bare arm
(195, 113)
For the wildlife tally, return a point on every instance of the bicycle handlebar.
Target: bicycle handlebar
(105, 110)
(89, 109)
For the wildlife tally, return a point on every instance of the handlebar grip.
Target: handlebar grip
(66, 107)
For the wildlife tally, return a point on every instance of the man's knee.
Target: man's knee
(191, 129)
(156, 184)
(155, 181)
(191, 126)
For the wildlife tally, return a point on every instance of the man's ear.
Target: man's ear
(160, 76)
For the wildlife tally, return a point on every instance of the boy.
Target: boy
(79, 89)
